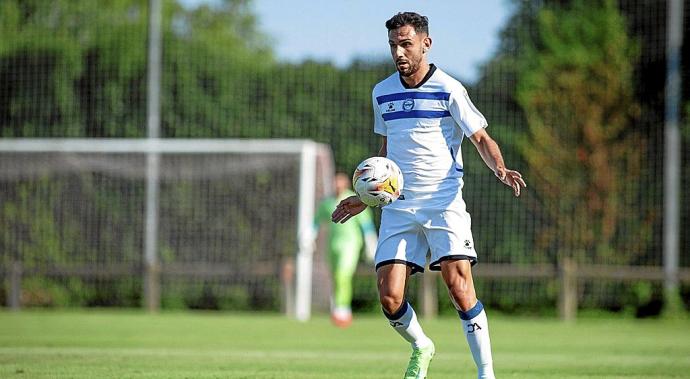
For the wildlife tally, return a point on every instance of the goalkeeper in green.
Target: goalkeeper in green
(345, 241)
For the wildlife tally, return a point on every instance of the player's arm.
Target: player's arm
(491, 154)
(352, 205)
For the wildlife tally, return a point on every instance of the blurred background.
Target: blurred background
(586, 98)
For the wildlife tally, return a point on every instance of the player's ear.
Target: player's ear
(427, 43)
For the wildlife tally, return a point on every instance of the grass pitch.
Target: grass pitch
(130, 344)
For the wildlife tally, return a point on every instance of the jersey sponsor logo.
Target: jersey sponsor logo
(471, 328)
(390, 107)
(408, 105)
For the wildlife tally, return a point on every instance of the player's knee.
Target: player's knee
(390, 303)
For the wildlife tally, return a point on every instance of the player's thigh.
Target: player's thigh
(401, 240)
(449, 235)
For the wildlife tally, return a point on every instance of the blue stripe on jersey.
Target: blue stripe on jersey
(415, 114)
(413, 95)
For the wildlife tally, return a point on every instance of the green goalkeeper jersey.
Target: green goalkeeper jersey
(350, 233)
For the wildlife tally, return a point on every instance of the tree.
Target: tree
(78, 68)
(576, 89)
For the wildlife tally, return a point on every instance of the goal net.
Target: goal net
(212, 224)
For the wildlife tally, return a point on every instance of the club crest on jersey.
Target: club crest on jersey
(408, 105)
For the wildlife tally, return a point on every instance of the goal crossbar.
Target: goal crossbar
(156, 145)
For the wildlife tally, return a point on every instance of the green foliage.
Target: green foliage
(43, 292)
(72, 291)
(584, 155)
(66, 65)
(86, 63)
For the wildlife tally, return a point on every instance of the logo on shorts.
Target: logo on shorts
(408, 105)
(395, 323)
(468, 244)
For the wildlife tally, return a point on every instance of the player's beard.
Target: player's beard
(411, 69)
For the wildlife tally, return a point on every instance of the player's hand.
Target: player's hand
(511, 178)
(347, 208)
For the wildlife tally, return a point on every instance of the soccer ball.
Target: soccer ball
(377, 181)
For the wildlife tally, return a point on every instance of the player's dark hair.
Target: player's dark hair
(418, 22)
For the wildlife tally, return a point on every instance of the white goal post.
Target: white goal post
(315, 181)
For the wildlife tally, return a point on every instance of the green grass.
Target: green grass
(129, 344)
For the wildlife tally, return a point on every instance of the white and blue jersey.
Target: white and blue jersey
(424, 127)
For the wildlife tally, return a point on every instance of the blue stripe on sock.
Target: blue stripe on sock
(399, 313)
(472, 313)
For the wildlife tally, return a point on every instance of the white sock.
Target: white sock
(404, 321)
(476, 328)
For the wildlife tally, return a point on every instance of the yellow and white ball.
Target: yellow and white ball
(377, 181)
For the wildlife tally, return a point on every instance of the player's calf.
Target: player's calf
(476, 329)
(458, 278)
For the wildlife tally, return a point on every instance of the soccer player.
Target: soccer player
(344, 244)
(422, 115)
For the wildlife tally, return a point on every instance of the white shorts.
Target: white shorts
(407, 233)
